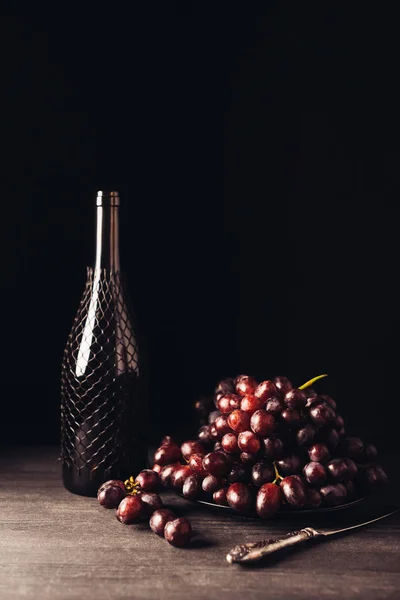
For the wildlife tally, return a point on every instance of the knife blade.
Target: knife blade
(245, 554)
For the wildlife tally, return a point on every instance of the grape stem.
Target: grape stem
(132, 486)
(278, 477)
(311, 381)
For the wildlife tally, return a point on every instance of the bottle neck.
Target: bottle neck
(107, 231)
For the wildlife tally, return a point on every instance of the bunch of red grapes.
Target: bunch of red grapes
(269, 446)
(137, 500)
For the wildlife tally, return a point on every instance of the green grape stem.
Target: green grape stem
(311, 381)
(278, 477)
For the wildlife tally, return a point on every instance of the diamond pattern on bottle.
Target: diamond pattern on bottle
(100, 373)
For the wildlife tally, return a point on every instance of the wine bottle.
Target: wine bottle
(103, 412)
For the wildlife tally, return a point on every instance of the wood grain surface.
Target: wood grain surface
(55, 545)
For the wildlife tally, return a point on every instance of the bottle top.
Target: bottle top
(107, 198)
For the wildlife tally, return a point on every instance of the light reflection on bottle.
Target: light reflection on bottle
(88, 330)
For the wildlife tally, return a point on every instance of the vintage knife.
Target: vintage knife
(246, 554)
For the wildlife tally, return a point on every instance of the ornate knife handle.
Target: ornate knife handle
(254, 551)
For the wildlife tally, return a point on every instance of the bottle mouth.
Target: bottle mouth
(107, 198)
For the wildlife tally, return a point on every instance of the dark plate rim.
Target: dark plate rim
(302, 511)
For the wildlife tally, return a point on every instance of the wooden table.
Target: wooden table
(55, 545)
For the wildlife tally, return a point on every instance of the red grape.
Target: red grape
(216, 464)
(204, 435)
(225, 386)
(165, 455)
(315, 473)
(312, 400)
(157, 468)
(130, 510)
(228, 402)
(319, 453)
(294, 489)
(352, 468)
(314, 498)
(331, 437)
(295, 398)
(291, 416)
(370, 452)
(238, 472)
(333, 494)
(305, 436)
(239, 421)
(282, 384)
(227, 455)
(196, 464)
(250, 403)
(191, 447)
(289, 465)
(339, 423)
(178, 532)
(248, 442)
(167, 439)
(265, 390)
(269, 500)
(109, 496)
(337, 470)
(192, 487)
(328, 400)
(275, 406)
(213, 432)
(273, 447)
(352, 447)
(239, 497)
(212, 416)
(246, 384)
(221, 425)
(148, 480)
(219, 497)
(230, 443)
(262, 423)
(211, 484)
(159, 519)
(247, 458)
(322, 414)
(179, 477)
(262, 472)
(113, 482)
(166, 473)
(151, 502)
(375, 476)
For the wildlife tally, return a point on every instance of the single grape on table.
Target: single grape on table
(110, 496)
(131, 510)
(159, 519)
(151, 501)
(178, 532)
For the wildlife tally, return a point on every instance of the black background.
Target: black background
(256, 154)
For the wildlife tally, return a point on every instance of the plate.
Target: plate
(283, 512)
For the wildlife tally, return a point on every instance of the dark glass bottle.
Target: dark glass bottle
(103, 412)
